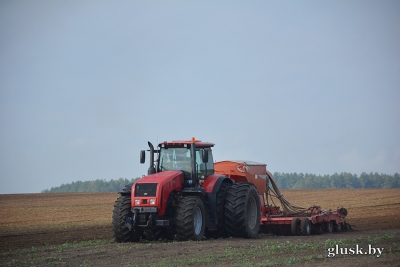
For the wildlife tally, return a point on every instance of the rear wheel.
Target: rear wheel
(242, 210)
(122, 211)
(190, 219)
(220, 202)
(305, 226)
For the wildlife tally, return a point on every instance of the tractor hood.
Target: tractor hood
(161, 177)
(158, 186)
(161, 183)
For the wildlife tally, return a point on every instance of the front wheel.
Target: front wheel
(122, 211)
(190, 219)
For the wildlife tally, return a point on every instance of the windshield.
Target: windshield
(179, 158)
(175, 159)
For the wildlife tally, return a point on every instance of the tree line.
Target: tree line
(99, 185)
(283, 180)
(337, 180)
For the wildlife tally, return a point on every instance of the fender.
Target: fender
(211, 186)
(126, 191)
(213, 182)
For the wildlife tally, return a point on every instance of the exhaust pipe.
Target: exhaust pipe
(151, 169)
(194, 171)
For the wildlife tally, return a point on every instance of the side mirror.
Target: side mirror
(204, 156)
(142, 156)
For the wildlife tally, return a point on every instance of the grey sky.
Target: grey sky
(303, 86)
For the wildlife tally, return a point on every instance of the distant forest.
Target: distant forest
(337, 180)
(283, 180)
(92, 186)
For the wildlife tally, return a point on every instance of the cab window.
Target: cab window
(204, 169)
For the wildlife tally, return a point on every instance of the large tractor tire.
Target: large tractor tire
(190, 219)
(220, 202)
(122, 210)
(242, 210)
(127, 188)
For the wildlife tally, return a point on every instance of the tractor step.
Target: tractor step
(162, 222)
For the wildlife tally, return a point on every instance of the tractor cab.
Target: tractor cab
(178, 157)
(194, 158)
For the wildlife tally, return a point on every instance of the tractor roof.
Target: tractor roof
(245, 162)
(198, 143)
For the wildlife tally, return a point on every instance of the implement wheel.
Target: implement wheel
(338, 227)
(329, 226)
(295, 226)
(305, 226)
(317, 229)
(190, 219)
(242, 210)
(122, 211)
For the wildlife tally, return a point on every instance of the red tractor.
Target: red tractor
(182, 196)
(185, 195)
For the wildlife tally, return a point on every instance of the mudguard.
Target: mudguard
(211, 186)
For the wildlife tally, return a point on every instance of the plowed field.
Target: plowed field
(35, 220)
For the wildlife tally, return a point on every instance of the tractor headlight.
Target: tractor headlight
(152, 201)
(137, 201)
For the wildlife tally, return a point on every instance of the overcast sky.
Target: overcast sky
(303, 86)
